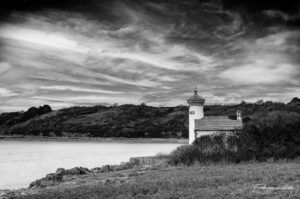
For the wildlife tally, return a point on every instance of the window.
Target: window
(192, 112)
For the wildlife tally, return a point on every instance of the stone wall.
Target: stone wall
(148, 160)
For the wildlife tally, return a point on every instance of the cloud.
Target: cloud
(267, 60)
(153, 52)
(74, 88)
(6, 93)
(4, 66)
(277, 14)
(37, 37)
(234, 28)
(259, 72)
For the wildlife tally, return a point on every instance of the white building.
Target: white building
(200, 125)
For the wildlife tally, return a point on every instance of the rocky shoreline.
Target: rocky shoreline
(79, 175)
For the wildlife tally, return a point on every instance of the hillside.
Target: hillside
(122, 121)
(101, 121)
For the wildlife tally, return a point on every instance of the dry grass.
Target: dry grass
(218, 181)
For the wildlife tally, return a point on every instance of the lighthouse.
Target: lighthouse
(196, 104)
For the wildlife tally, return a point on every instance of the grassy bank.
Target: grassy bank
(95, 139)
(256, 180)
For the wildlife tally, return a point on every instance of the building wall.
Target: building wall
(148, 160)
(195, 112)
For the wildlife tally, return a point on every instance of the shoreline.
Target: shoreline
(122, 182)
(56, 178)
(95, 139)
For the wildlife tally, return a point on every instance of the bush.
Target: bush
(206, 150)
(266, 135)
(271, 135)
(186, 155)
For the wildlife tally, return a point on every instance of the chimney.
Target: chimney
(238, 115)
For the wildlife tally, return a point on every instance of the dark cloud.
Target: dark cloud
(33, 5)
(90, 52)
(287, 6)
(186, 8)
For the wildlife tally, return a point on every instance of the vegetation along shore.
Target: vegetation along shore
(247, 180)
(94, 139)
(124, 121)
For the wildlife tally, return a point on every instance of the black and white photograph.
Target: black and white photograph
(149, 99)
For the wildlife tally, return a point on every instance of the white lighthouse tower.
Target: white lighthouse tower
(196, 104)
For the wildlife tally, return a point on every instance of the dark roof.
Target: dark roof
(217, 123)
(196, 99)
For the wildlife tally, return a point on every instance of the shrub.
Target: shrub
(186, 155)
(271, 135)
(206, 150)
(211, 143)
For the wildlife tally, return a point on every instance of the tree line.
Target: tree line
(131, 121)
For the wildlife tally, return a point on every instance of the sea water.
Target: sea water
(22, 162)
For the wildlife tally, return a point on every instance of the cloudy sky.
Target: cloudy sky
(87, 52)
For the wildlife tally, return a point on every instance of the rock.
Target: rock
(53, 177)
(105, 169)
(109, 168)
(58, 178)
(50, 176)
(84, 170)
(121, 167)
(60, 171)
(73, 171)
(50, 179)
(62, 174)
(113, 167)
(46, 183)
(134, 161)
(77, 171)
(96, 170)
(35, 184)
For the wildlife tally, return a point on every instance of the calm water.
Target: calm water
(22, 162)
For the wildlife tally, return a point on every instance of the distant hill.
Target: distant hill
(100, 121)
(10, 119)
(122, 121)
(295, 102)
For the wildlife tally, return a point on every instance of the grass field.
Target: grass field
(251, 180)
